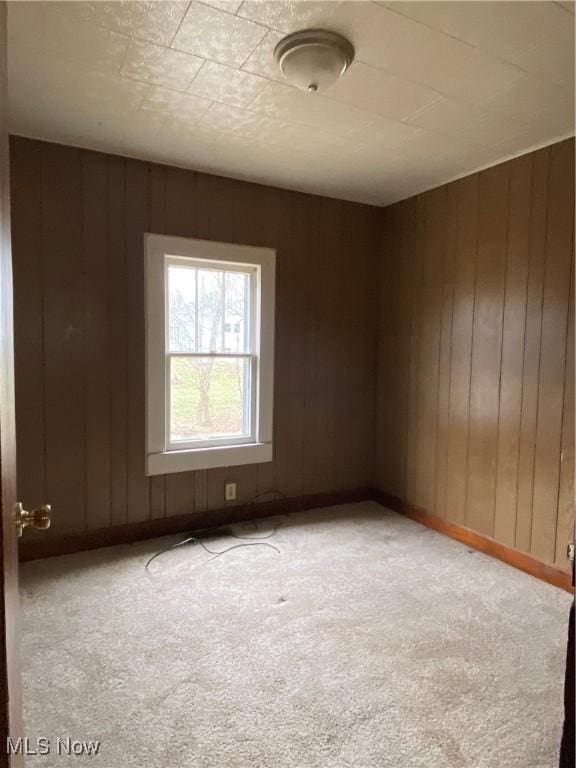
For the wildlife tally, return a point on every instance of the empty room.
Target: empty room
(287, 384)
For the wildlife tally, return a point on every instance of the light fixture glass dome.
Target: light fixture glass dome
(313, 59)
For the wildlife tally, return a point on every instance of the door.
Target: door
(11, 702)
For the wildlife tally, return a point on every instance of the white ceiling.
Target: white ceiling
(437, 90)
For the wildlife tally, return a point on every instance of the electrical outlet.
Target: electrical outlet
(230, 491)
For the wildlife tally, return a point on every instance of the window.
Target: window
(210, 354)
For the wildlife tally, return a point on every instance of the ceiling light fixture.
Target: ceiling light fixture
(313, 59)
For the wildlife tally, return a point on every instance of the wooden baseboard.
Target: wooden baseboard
(524, 562)
(45, 546)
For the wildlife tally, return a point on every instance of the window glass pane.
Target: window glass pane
(210, 310)
(209, 397)
(181, 309)
(236, 311)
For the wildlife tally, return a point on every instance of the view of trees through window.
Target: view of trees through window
(208, 316)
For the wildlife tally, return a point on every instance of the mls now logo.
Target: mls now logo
(46, 746)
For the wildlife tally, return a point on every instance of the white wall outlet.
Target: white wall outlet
(230, 491)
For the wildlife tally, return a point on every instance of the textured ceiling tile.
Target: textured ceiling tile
(385, 39)
(99, 103)
(185, 143)
(133, 131)
(183, 134)
(261, 60)
(230, 6)
(553, 123)
(397, 169)
(181, 105)
(443, 153)
(455, 118)
(156, 22)
(222, 117)
(499, 28)
(381, 133)
(107, 93)
(527, 97)
(310, 109)
(551, 62)
(160, 66)
(381, 93)
(25, 32)
(230, 86)
(86, 44)
(457, 69)
(217, 35)
(313, 141)
(239, 123)
(289, 15)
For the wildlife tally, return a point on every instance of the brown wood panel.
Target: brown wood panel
(531, 364)
(553, 351)
(434, 251)
(487, 348)
(414, 371)
(323, 414)
(486, 365)
(26, 190)
(445, 360)
(311, 416)
(137, 222)
(355, 354)
(118, 339)
(513, 350)
(405, 298)
(461, 360)
(565, 526)
(388, 347)
(96, 340)
(393, 350)
(289, 376)
(65, 350)
(162, 498)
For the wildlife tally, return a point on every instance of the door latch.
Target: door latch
(40, 518)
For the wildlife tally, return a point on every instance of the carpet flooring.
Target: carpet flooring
(366, 641)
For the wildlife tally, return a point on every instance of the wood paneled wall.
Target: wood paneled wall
(472, 355)
(78, 224)
(475, 394)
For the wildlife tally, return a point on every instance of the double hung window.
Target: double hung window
(210, 337)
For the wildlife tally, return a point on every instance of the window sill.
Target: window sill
(208, 458)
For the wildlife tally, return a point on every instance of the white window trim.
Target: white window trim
(159, 459)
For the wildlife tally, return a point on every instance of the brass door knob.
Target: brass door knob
(40, 518)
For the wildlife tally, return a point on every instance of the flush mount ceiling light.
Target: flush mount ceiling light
(313, 59)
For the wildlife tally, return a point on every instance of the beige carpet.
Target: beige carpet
(369, 641)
